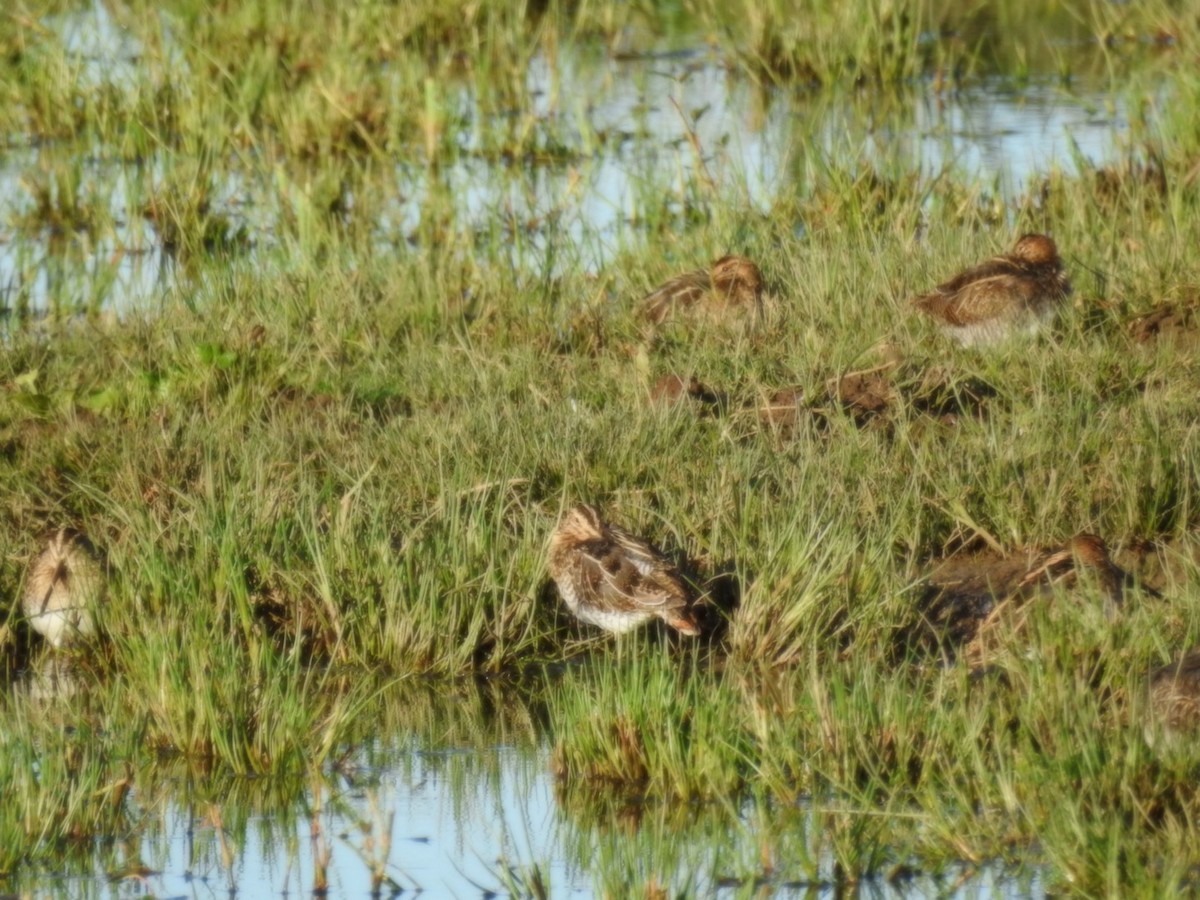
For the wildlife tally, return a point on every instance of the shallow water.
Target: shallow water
(482, 816)
(619, 154)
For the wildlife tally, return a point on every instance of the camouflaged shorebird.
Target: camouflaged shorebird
(1175, 694)
(608, 577)
(65, 583)
(733, 284)
(966, 602)
(1084, 552)
(1007, 295)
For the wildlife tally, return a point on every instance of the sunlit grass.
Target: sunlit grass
(336, 445)
(298, 470)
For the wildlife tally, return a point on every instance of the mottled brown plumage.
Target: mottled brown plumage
(1007, 295)
(1083, 552)
(733, 284)
(608, 577)
(64, 586)
(969, 601)
(1175, 693)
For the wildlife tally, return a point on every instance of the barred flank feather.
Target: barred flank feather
(610, 578)
(1175, 693)
(734, 284)
(1002, 297)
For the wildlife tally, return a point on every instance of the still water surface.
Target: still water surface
(457, 799)
(622, 155)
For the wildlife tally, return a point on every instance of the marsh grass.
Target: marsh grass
(300, 472)
(331, 451)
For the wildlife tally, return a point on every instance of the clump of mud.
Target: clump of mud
(875, 397)
(1169, 322)
(675, 390)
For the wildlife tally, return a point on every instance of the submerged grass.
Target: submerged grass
(337, 448)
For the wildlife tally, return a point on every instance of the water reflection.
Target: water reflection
(449, 791)
(53, 677)
(603, 147)
(105, 52)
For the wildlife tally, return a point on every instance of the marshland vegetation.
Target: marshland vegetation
(316, 318)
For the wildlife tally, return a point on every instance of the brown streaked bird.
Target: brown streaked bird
(608, 577)
(1007, 295)
(969, 602)
(64, 586)
(734, 283)
(1175, 694)
(1084, 552)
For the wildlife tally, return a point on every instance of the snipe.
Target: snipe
(733, 285)
(608, 577)
(1007, 295)
(1175, 694)
(64, 586)
(969, 603)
